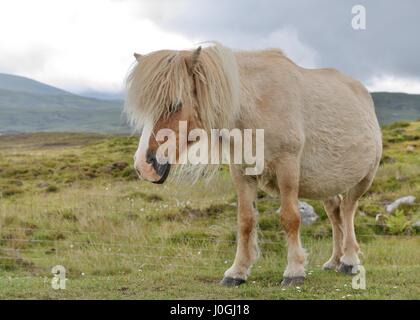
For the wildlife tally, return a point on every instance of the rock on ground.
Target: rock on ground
(393, 206)
(307, 213)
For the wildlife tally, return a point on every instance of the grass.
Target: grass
(72, 199)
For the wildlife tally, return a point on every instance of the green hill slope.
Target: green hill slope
(31, 106)
(394, 106)
(29, 112)
(21, 84)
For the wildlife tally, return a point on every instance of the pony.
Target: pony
(322, 139)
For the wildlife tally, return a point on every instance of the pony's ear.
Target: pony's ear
(137, 56)
(192, 61)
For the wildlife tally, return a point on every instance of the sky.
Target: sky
(82, 46)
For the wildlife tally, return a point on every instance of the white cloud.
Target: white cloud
(83, 45)
(288, 40)
(393, 84)
(78, 45)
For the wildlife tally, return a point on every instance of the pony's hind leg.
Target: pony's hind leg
(349, 261)
(247, 246)
(332, 208)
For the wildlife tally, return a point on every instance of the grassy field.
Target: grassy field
(73, 199)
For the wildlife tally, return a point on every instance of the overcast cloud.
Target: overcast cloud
(87, 45)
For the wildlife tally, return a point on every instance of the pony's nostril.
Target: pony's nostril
(150, 157)
(161, 169)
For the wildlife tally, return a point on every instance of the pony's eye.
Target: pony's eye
(175, 107)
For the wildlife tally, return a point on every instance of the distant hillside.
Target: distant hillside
(103, 95)
(391, 107)
(27, 105)
(22, 84)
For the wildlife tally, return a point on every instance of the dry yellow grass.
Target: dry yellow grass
(71, 200)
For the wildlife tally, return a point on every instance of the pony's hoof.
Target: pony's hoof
(232, 282)
(329, 266)
(292, 281)
(347, 269)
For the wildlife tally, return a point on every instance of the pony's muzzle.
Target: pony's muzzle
(163, 171)
(152, 170)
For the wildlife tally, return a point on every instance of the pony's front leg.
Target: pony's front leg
(247, 246)
(288, 181)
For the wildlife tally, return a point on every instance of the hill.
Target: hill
(22, 84)
(394, 106)
(31, 106)
(27, 105)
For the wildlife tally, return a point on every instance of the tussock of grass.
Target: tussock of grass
(153, 197)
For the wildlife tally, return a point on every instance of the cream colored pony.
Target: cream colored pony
(322, 138)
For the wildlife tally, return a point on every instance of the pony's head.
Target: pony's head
(200, 87)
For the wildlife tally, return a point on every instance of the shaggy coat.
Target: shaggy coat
(322, 138)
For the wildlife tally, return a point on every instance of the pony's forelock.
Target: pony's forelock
(163, 78)
(153, 84)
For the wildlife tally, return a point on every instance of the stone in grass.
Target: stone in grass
(393, 206)
(307, 213)
(410, 148)
(362, 214)
(380, 220)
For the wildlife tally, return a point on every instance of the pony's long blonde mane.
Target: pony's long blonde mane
(163, 78)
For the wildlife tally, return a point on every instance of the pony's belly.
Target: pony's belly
(312, 189)
(323, 177)
(317, 187)
(320, 188)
